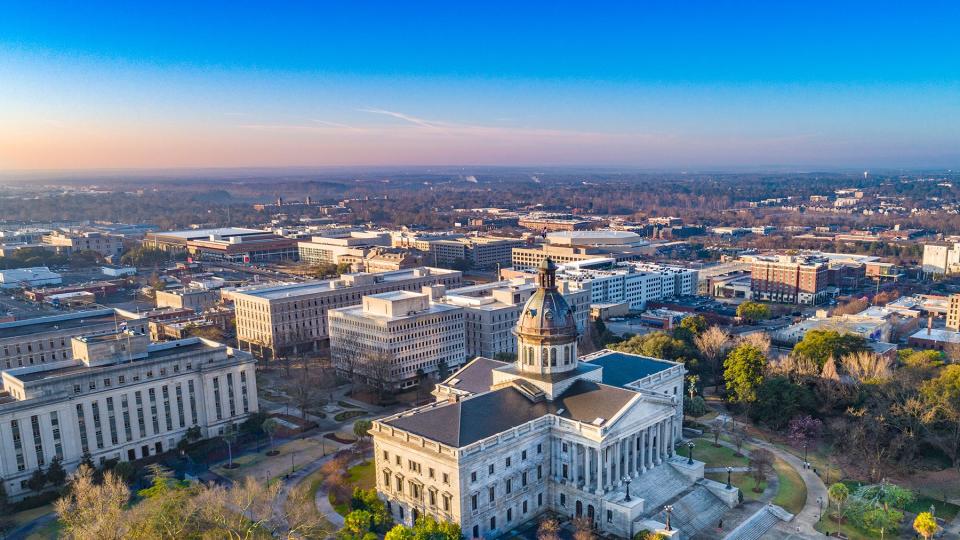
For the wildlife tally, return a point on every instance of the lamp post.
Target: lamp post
(804, 455)
(820, 508)
(690, 446)
(291, 462)
(626, 480)
(729, 472)
(669, 510)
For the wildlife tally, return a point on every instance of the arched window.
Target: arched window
(553, 356)
(568, 351)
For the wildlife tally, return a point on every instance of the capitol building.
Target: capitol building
(589, 436)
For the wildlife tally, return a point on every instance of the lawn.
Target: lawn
(921, 503)
(261, 466)
(347, 415)
(711, 455)
(743, 481)
(361, 476)
(792, 493)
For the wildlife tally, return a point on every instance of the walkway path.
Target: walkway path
(802, 524)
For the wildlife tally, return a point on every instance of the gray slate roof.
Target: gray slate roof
(476, 376)
(473, 419)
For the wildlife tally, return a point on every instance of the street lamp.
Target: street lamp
(729, 472)
(669, 510)
(690, 446)
(820, 508)
(291, 462)
(804, 455)
(626, 480)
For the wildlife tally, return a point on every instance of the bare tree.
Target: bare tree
(713, 344)
(866, 366)
(760, 340)
(583, 528)
(549, 529)
(92, 511)
(761, 463)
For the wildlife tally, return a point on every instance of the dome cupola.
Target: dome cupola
(546, 331)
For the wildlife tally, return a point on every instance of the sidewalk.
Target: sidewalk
(802, 525)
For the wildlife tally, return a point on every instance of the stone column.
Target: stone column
(632, 456)
(600, 460)
(658, 441)
(642, 452)
(575, 450)
(615, 462)
(586, 468)
(663, 440)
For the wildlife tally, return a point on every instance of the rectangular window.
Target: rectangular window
(216, 398)
(97, 427)
(112, 422)
(233, 406)
(82, 428)
(18, 445)
(55, 431)
(155, 420)
(491, 493)
(473, 501)
(193, 403)
(168, 418)
(179, 392)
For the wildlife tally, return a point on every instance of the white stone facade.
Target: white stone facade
(119, 398)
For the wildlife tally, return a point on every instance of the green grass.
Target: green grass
(792, 492)
(711, 455)
(361, 476)
(743, 481)
(347, 415)
(921, 503)
(851, 531)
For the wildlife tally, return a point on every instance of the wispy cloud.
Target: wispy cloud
(406, 117)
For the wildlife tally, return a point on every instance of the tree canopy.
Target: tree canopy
(743, 373)
(820, 345)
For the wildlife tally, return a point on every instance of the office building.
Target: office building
(119, 397)
(491, 312)
(474, 252)
(31, 342)
(72, 242)
(395, 339)
(790, 279)
(292, 317)
(631, 283)
(176, 241)
(332, 247)
(941, 259)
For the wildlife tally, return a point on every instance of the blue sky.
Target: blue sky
(647, 84)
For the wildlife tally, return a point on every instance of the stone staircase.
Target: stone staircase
(697, 510)
(759, 523)
(658, 486)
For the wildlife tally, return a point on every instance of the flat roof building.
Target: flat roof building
(292, 317)
(119, 397)
(395, 339)
(40, 340)
(493, 309)
(28, 277)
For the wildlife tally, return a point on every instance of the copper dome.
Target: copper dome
(547, 313)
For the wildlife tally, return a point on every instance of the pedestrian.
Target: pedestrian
(720, 525)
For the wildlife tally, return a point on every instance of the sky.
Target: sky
(646, 84)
